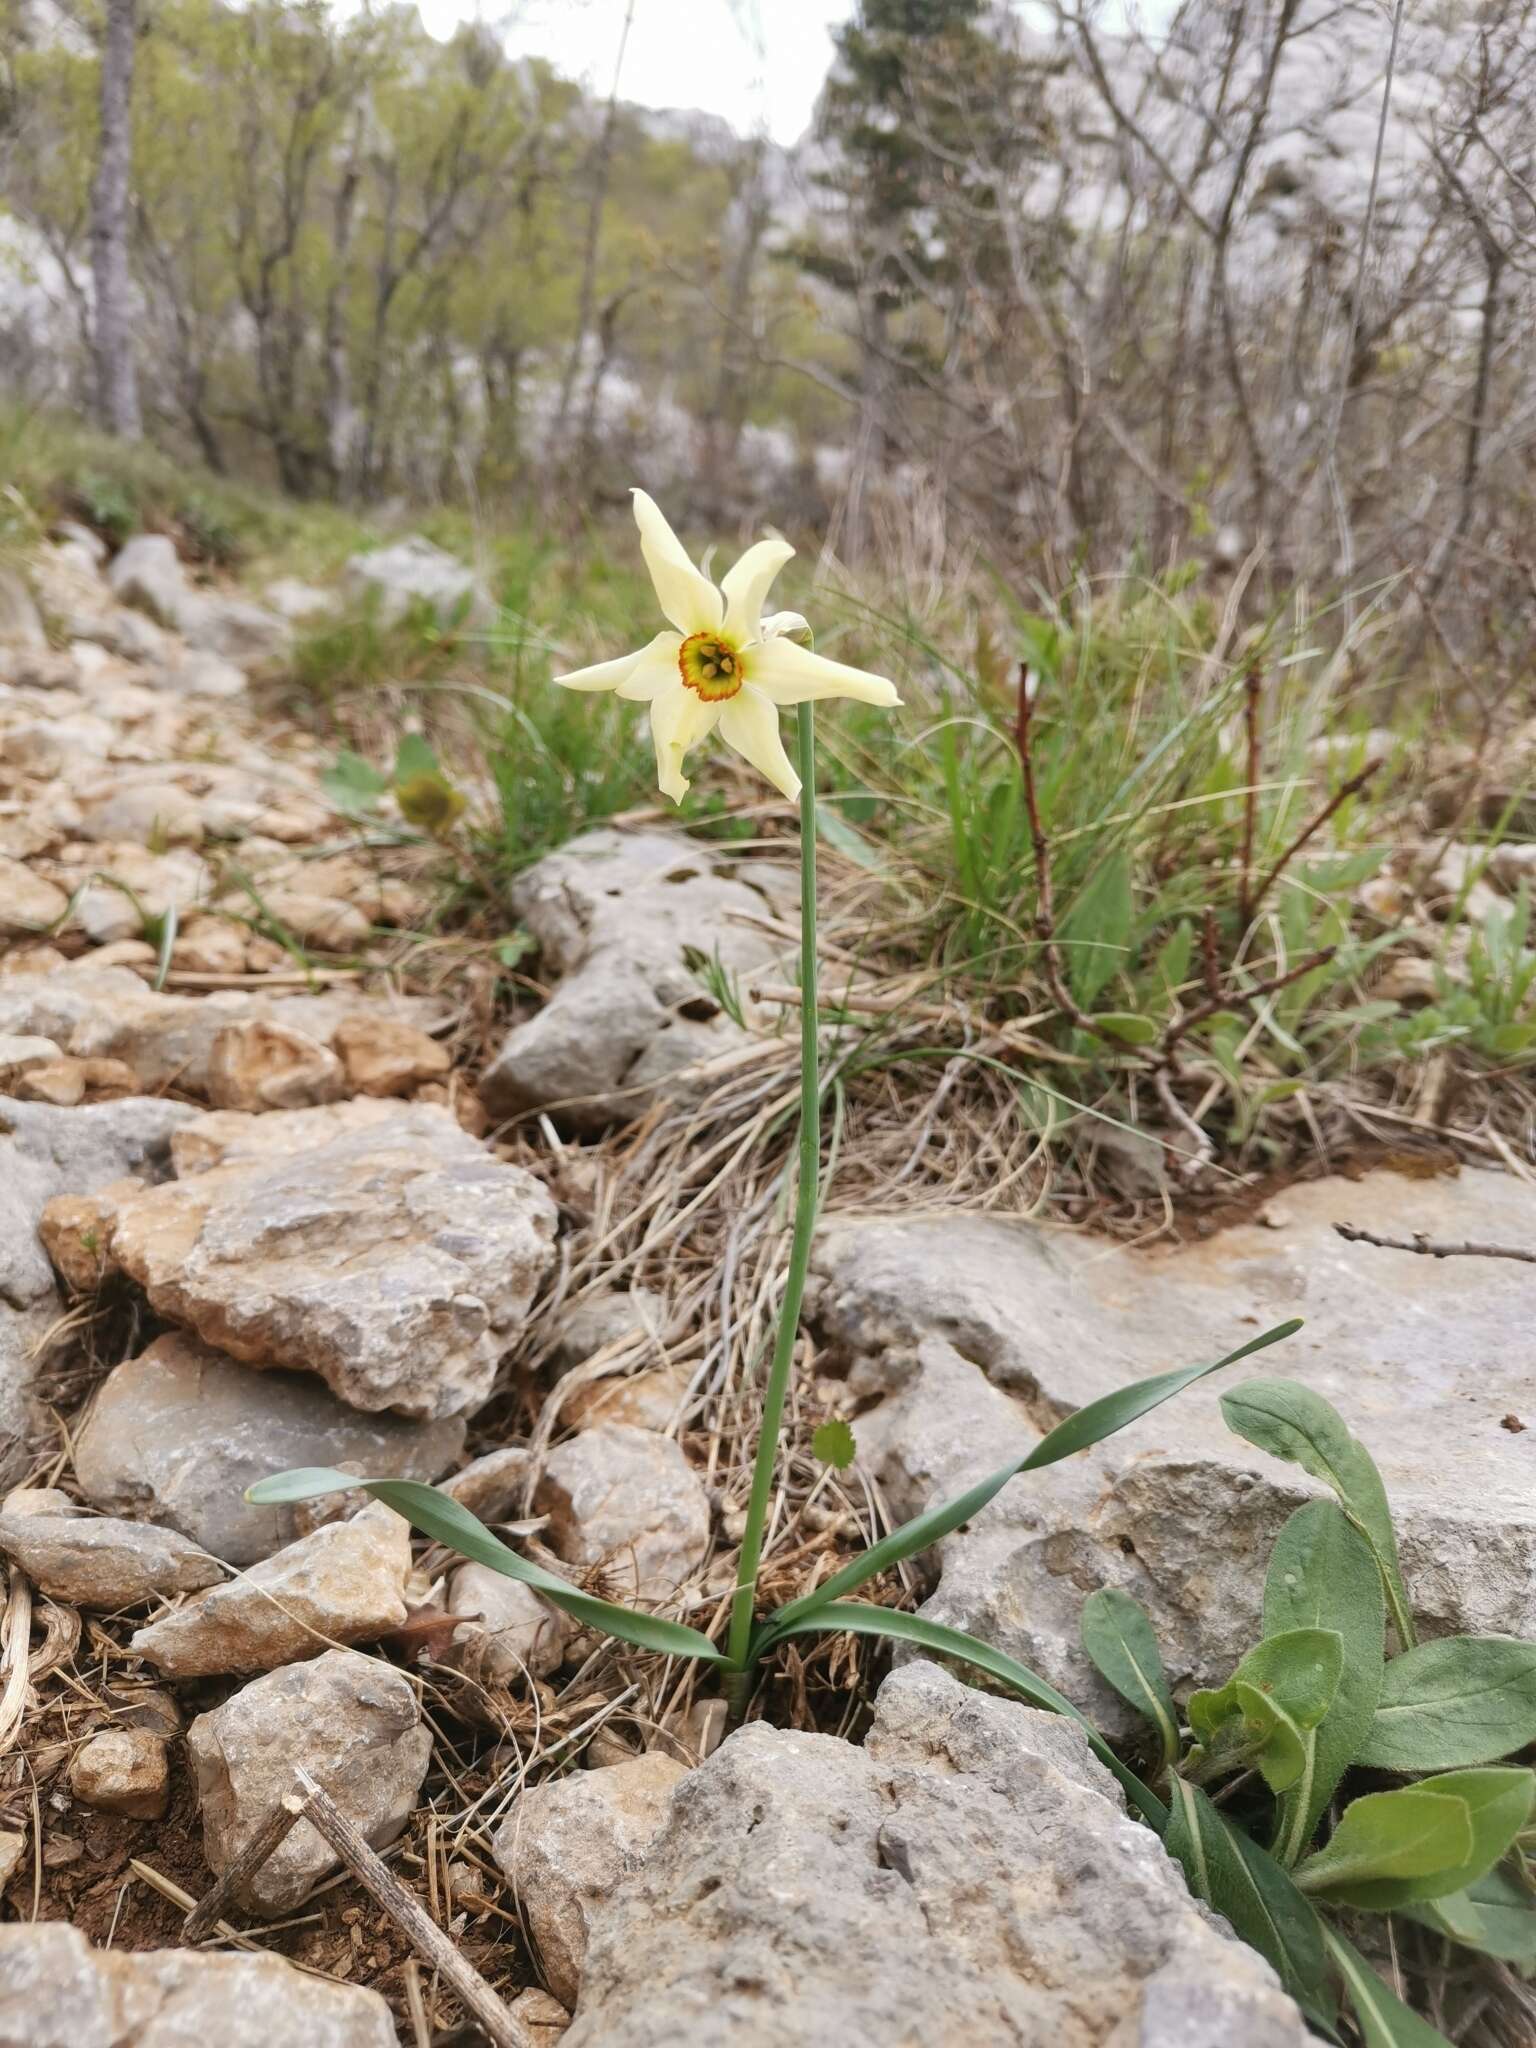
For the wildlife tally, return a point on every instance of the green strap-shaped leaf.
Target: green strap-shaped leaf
(1090, 1425)
(439, 1515)
(857, 1617)
(1384, 2019)
(1458, 1700)
(1291, 1422)
(1120, 1640)
(1248, 1888)
(1323, 1574)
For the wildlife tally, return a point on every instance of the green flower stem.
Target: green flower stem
(739, 1643)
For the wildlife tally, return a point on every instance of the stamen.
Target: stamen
(711, 666)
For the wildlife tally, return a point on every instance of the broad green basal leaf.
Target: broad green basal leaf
(1265, 1712)
(1498, 1800)
(1120, 1640)
(1095, 930)
(1411, 1843)
(1131, 1027)
(1290, 1421)
(353, 784)
(1300, 1669)
(1458, 1700)
(1280, 1749)
(1323, 1574)
(1495, 1916)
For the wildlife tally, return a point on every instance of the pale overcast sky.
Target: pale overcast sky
(751, 61)
(754, 62)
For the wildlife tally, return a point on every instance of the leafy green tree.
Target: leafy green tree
(925, 122)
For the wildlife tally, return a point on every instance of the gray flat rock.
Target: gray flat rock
(974, 1334)
(56, 1991)
(397, 1261)
(46, 1151)
(968, 1876)
(177, 1434)
(622, 919)
(98, 1561)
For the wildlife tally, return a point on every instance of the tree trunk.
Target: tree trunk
(340, 423)
(117, 384)
(1494, 260)
(602, 166)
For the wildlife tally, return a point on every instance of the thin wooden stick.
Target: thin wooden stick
(1204, 1150)
(273, 1831)
(158, 1881)
(187, 977)
(1433, 1248)
(854, 999)
(1310, 830)
(505, 2029)
(1240, 999)
(415, 2004)
(313, 1803)
(16, 1637)
(1210, 954)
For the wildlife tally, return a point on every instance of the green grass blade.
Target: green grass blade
(169, 920)
(439, 1515)
(1250, 1890)
(1090, 1425)
(857, 1617)
(1384, 2019)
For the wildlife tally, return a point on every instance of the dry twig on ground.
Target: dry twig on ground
(1432, 1248)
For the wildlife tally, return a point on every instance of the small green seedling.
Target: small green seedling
(1286, 1849)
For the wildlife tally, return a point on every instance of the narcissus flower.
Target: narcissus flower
(725, 664)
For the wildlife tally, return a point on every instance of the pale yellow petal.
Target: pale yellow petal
(783, 622)
(747, 584)
(686, 596)
(656, 667)
(793, 675)
(608, 675)
(750, 724)
(679, 720)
